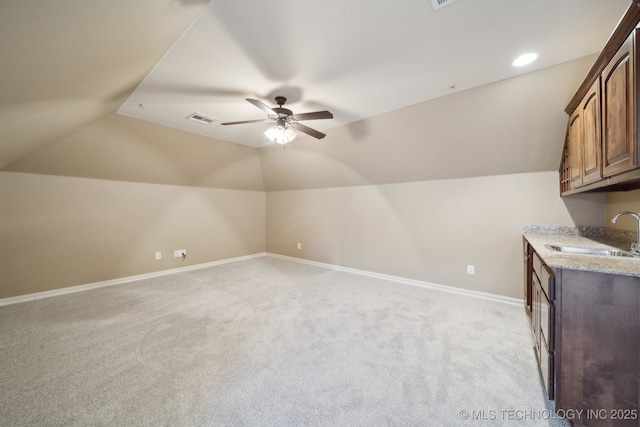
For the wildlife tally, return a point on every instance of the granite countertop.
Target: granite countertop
(587, 237)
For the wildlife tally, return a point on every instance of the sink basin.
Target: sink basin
(590, 251)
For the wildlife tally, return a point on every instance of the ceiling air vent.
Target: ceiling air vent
(202, 118)
(437, 4)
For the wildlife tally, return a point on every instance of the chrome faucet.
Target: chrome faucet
(635, 247)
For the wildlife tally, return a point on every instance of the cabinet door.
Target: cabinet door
(546, 369)
(527, 276)
(618, 112)
(575, 151)
(536, 295)
(565, 171)
(591, 140)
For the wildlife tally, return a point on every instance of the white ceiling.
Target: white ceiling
(356, 58)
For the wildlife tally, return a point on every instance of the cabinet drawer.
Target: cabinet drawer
(545, 276)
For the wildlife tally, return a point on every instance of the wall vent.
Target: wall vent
(201, 118)
(437, 4)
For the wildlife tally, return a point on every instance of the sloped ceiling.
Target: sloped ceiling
(67, 63)
(72, 64)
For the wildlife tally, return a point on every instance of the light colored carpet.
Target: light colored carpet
(263, 342)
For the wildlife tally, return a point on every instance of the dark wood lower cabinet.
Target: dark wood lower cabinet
(586, 328)
(539, 285)
(543, 320)
(598, 347)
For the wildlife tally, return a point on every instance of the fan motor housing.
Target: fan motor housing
(282, 112)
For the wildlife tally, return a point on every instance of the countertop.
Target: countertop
(601, 264)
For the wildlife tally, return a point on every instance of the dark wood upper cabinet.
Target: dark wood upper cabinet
(591, 169)
(584, 137)
(601, 149)
(618, 111)
(575, 148)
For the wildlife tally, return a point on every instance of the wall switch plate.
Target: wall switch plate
(471, 270)
(158, 255)
(180, 253)
(299, 245)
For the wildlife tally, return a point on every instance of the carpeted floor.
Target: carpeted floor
(267, 342)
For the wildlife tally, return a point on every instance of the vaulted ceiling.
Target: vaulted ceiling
(358, 59)
(101, 89)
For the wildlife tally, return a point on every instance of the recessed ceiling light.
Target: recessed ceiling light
(525, 59)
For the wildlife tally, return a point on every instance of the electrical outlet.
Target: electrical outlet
(299, 245)
(471, 270)
(158, 255)
(180, 253)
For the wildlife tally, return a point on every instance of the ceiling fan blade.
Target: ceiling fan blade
(317, 115)
(262, 106)
(305, 129)
(246, 121)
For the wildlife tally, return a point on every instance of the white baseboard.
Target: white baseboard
(80, 288)
(412, 282)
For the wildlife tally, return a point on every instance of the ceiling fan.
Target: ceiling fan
(285, 121)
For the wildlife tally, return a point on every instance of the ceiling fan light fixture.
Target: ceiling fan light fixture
(280, 133)
(286, 122)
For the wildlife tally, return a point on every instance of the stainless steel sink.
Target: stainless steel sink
(591, 251)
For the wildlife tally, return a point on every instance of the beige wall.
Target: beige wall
(418, 193)
(619, 202)
(61, 231)
(423, 191)
(428, 230)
